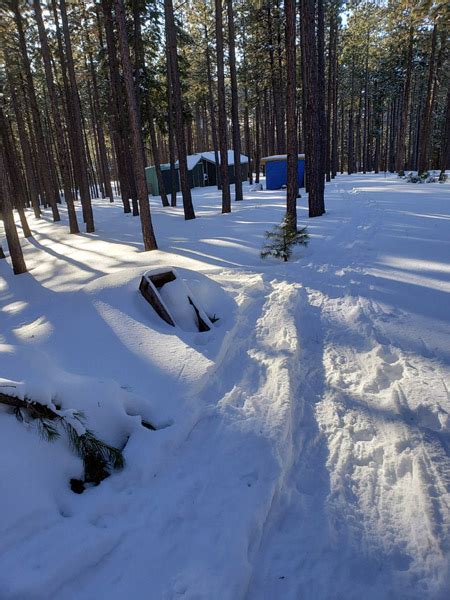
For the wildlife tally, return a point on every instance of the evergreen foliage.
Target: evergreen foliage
(99, 458)
(282, 239)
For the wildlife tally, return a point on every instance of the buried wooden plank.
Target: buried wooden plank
(150, 293)
(150, 287)
(202, 326)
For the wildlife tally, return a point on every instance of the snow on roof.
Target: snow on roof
(279, 157)
(193, 159)
(211, 158)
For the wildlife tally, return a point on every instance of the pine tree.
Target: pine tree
(282, 239)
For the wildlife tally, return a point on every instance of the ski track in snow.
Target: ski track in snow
(314, 462)
(379, 526)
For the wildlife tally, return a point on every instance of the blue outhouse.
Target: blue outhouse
(276, 170)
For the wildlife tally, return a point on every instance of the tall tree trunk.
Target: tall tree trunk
(44, 160)
(136, 133)
(291, 117)
(171, 134)
(77, 124)
(6, 210)
(334, 86)
(313, 147)
(103, 156)
(257, 137)
(234, 102)
(366, 106)
(25, 145)
(321, 93)
(277, 92)
(212, 108)
(64, 159)
(178, 110)
(351, 133)
(330, 92)
(12, 164)
(247, 137)
(401, 140)
(424, 150)
(118, 121)
(223, 138)
(445, 139)
(144, 99)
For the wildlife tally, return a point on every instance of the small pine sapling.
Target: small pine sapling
(282, 239)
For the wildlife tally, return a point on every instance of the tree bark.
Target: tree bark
(12, 163)
(313, 147)
(6, 209)
(25, 145)
(77, 124)
(144, 99)
(45, 166)
(118, 119)
(234, 102)
(63, 157)
(401, 140)
(174, 74)
(212, 108)
(136, 133)
(291, 117)
(223, 138)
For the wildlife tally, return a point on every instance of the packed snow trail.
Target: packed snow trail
(245, 427)
(303, 449)
(366, 509)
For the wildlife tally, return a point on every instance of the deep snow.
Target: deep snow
(303, 443)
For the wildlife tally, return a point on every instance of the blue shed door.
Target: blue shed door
(276, 174)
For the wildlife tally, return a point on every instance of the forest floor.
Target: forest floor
(302, 447)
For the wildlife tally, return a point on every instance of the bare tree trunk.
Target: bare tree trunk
(77, 124)
(445, 139)
(64, 159)
(45, 165)
(212, 108)
(144, 99)
(401, 140)
(12, 163)
(178, 110)
(424, 151)
(257, 137)
(32, 183)
(334, 85)
(223, 138)
(330, 91)
(351, 133)
(103, 156)
(291, 117)
(247, 137)
(6, 210)
(117, 117)
(234, 103)
(136, 133)
(321, 94)
(314, 164)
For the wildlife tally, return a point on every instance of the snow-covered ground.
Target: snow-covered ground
(303, 444)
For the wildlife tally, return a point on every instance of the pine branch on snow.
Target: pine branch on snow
(98, 456)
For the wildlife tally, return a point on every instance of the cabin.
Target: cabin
(276, 171)
(152, 180)
(210, 167)
(202, 171)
